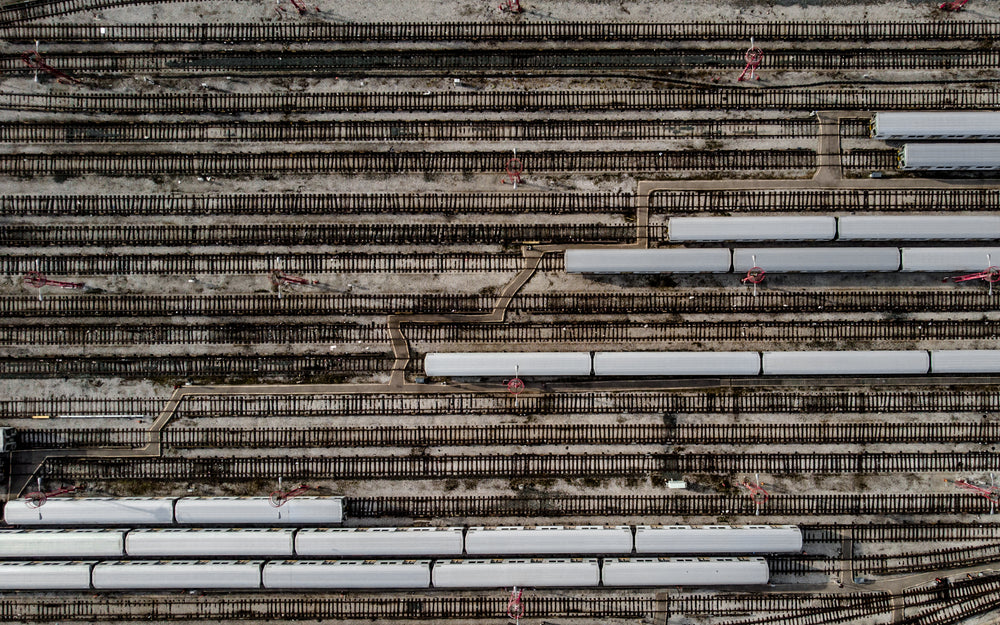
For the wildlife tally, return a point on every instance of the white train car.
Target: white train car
(916, 125)
(119, 511)
(590, 539)
(45, 575)
(965, 361)
(259, 511)
(347, 574)
(950, 156)
(967, 259)
(505, 573)
(883, 362)
(816, 259)
(677, 363)
(379, 541)
(177, 575)
(495, 364)
(649, 261)
(62, 543)
(918, 227)
(685, 571)
(752, 228)
(204, 543)
(713, 539)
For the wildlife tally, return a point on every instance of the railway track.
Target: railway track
(494, 31)
(934, 560)
(825, 200)
(306, 304)
(895, 532)
(228, 367)
(490, 61)
(410, 606)
(558, 332)
(257, 263)
(322, 234)
(952, 397)
(306, 131)
(326, 204)
(27, 10)
(680, 99)
(511, 466)
(982, 433)
(386, 162)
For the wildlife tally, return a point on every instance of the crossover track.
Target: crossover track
(489, 202)
(310, 367)
(497, 31)
(954, 397)
(386, 233)
(385, 162)
(675, 302)
(984, 433)
(257, 263)
(376, 332)
(707, 98)
(304, 131)
(302, 304)
(486, 62)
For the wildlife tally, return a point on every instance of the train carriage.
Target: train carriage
(957, 259)
(648, 261)
(965, 361)
(715, 539)
(685, 571)
(598, 540)
(62, 543)
(882, 362)
(752, 228)
(212, 542)
(917, 227)
(676, 363)
(816, 259)
(476, 364)
(917, 125)
(177, 575)
(379, 541)
(950, 156)
(347, 574)
(259, 511)
(45, 575)
(92, 511)
(505, 573)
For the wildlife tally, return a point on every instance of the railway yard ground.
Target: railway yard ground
(231, 233)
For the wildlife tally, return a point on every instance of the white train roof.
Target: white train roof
(970, 259)
(680, 260)
(259, 511)
(752, 228)
(917, 227)
(92, 511)
(957, 156)
(379, 541)
(496, 364)
(846, 362)
(904, 125)
(676, 363)
(347, 574)
(685, 571)
(816, 259)
(965, 361)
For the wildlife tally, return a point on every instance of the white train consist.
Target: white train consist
(381, 574)
(879, 362)
(784, 259)
(846, 228)
(126, 511)
(355, 542)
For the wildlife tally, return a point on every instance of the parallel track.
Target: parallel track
(309, 304)
(820, 400)
(396, 162)
(505, 62)
(681, 99)
(326, 204)
(509, 466)
(983, 433)
(258, 263)
(537, 333)
(494, 31)
(321, 234)
(825, 200)
(305, 131)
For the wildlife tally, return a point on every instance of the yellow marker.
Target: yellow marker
(39, 416)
